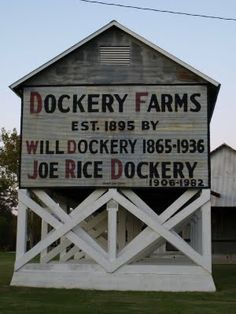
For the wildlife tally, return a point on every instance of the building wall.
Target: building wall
(223, 182)
(224, 230)
(223, 176)
(84, 66)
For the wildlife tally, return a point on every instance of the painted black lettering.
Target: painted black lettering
(93, 102)
(121, 101)
(154, 104)
(140, 170)
(181, 102)
(77, 103)
(178, 170)
(165, 170)
(166, 102)
(191, 168)
(195, 102)
(107, 101)
(60, 104)
(50, 103)
(153, 170)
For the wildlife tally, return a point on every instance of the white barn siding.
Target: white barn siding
(223, 176)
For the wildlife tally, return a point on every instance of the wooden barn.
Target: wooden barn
(223, 202)
(115, 162)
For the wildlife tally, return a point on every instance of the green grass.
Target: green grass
(59, 301)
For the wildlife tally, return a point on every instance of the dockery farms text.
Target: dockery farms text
(140, 136)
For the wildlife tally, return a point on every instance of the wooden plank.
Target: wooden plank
(55, 207)
(21, 241)
(71, 253)
(170, 236)
(39, 210)
(81, 212)
(167, 213)
(55, 251)
(181, 201)
(94, 221)
(63, 252)
(140, 243)
(112, 208)
(44, 232)
(87, 244)
(57, 211)
(189, 210)
(206, 234)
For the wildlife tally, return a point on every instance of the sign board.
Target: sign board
(115, 136)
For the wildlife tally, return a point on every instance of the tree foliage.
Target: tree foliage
(9, 164)
(9, 156)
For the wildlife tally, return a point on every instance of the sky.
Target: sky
(33, 32)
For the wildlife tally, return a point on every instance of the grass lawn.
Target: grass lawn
(49, 301)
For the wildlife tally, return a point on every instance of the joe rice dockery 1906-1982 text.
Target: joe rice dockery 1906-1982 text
(140, 136)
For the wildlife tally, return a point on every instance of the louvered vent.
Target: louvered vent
(115, 55)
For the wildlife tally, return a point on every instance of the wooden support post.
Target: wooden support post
(63, 239)
(206, 233)
(196, 235)
(112, 208)
(193, 232)
(85, 228)
(21, 242)
(199, 228)
(44, 232)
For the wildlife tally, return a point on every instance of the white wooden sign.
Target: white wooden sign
(122, 136)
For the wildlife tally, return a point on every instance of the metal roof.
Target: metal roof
(17, 84)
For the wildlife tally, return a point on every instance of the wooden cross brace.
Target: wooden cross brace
(159, 227)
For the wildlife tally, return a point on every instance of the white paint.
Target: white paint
(135, 277)
(112, 208)
(95, 262)
(21, 241)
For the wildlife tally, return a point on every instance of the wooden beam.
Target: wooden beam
(21, 241)
(206, 234)
(81, 212)
(164, 231)
(112, 208)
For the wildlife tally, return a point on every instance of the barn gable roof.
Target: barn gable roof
(213, 85)
(221, 147)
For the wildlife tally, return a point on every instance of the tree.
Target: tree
(9, 164)
(9, 173)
